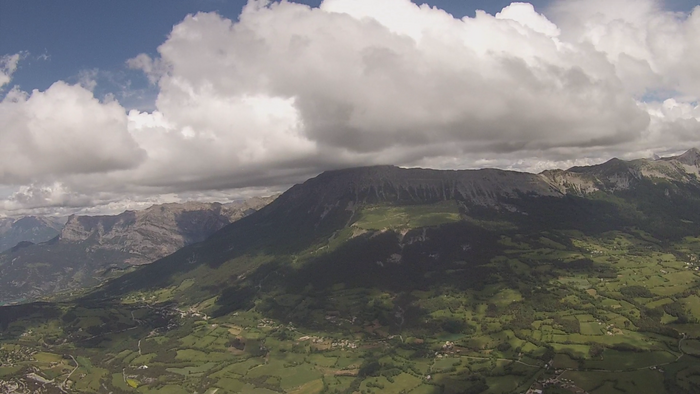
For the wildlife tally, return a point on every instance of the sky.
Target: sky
(107, 106)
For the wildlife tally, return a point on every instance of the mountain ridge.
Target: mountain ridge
(316, 211)
(90, 247)
(616, 174)
(158, 230)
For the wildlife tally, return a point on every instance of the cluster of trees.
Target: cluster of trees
(568, 325)
(678, 310)
(636, 291)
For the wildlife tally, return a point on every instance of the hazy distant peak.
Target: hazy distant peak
(177, 223)
(617, 174)
(691, 157)
(35, 229)
(89, 245)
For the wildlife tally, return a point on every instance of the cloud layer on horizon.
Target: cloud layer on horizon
(288, 91)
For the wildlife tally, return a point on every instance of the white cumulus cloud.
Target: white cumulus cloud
(287, 90)
(8, 66)
(62, 131)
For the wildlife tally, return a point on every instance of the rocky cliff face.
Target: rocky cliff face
(615, 175)
(155, 232)
(332, 197)
(486, 187)
(90, 249)
(388, 183)
(345, 189)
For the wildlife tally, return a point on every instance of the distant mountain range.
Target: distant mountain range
(91, 249)
(615, 175)
(33, 229)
